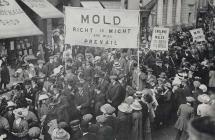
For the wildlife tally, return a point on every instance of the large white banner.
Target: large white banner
(198, 35)
(101, 28)
(14, 22)
(160, 38)
(43, 8)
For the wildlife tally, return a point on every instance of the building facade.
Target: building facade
(172, 13)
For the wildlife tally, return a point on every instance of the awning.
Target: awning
(111, 4)
(43, 8)
(14, 22)
(91, 4)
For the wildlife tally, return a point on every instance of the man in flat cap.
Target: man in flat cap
(49, 66)
(114, 92)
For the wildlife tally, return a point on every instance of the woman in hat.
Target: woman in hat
(124, 125)
(82, 99)
(75, 129)
(202, 128)
(148, 115)
(5, 76)
(111, 120)
(115, 96)
(105, 132)
(204, 109)
(60, 134)
(4, 126)
(34, 133)
(99, 101)
(40, 68)
(185, 114)
(137, 128)
(165, 105)
(31, 71)
(20, 126)
(43, 107)
(9, 112)
(212, 77)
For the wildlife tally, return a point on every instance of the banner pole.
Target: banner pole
(138, 54)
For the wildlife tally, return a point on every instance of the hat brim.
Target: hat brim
(136, 108)
(120, 108)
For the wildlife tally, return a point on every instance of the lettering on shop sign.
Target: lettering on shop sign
(97, 19)
(9, 22)
(4, 3)
(11, 12)
(36, 3)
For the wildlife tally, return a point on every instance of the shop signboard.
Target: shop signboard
(160, 37)
(101, 28)
(198, 35)
(43, 8)
(91, 4)
(14, 22)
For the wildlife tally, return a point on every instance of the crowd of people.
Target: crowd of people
(85, 93)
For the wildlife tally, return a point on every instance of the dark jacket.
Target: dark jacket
(88, 136)
(124, 126)
(5, 75)
(105, 133)
(114, 94)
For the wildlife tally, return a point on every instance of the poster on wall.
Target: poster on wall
(101, 28)
(160, 37)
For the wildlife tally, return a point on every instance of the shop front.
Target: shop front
(16, 31)
(19, 35)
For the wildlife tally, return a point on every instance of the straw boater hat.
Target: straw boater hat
(101, 119)
(19, 112)
(57, 70)
(43, 97)
(149, 69)
(204, 98)
(190, 99)
(136, 106)
(168, 85)
(163, 75)
(51, 57)
(10, 104)
(114, 77)
(107, 109)
(203, 87)
(63, 125)
(40, 62)
(196, 83)
(129, 100)
(97, 58)
(87, 117)
(75, 123)
(60, 134)
(34, 132)
(116, 65)
(125, 108)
